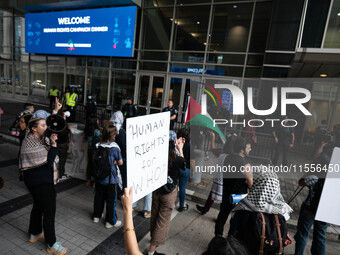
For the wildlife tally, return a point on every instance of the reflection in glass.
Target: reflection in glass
(332, 39)
(75, 76)
(19, 30)
(123, 84)
(260, 27)
(157, 91)
(6, 34)
(191, 25)
(97, 82)
(38, 83)
(230, 27)
(157, 28)
(175, 91)
(187, 57)
(143, 89)
(152, 55)
(224, 70)
(153, 66)
(237, 59)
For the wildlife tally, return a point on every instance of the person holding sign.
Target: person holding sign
(164, 198)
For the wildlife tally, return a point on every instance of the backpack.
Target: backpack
(19, 125)
(261, 231)
(101, 167)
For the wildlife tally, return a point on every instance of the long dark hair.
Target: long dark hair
(172, 153)
(91, 125)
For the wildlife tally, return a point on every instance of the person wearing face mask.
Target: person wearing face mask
(38, 163)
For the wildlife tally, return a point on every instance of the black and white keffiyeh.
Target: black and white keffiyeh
(265, 195)
(217, 186)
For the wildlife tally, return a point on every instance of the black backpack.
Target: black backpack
(261, 231)
(101, 167)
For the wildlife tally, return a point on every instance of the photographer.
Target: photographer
(309, 207)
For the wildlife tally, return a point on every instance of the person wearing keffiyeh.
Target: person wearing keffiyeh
(38, 163)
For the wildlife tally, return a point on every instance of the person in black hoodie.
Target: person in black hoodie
(38, 162)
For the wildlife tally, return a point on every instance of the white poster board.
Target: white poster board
(147, 142)
(329, 205)
(76, 162)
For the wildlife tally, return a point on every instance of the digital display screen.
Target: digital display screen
(93, 32)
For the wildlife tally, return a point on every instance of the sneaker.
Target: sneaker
(158, 253)
(147, 214)
(183, 208)
(95, 219)
(201, 209)
(56, 249)
(109, 225)
(34, 238)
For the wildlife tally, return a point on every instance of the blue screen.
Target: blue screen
(95, 32)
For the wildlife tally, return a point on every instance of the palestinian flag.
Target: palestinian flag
(194, 117)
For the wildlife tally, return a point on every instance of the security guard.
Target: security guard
(129, 110)
(53, 95)
(71, 103)
(173, 113)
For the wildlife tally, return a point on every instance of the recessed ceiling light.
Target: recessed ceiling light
(339, 14)
(198, 22)
(234, 6)
(323, 75)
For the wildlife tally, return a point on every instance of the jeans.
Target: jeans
(147, 202)
(306, 220)
(108, 194)
(184, 176)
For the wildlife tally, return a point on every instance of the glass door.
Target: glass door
(179, 90)
(150, 93)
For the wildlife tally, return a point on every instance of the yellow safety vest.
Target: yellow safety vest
(54, 93)
(71, 99)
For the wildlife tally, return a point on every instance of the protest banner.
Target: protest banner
(329, 205)
(76, 162)
(147, 143)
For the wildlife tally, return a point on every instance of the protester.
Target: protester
(18, 128)
(173, 113)
(216, 192)
(184, 173)
(164, 198)
(92, 134)
(263, 204)
(131, 245)
(315, 183)
(106, 189)
(117, 119)
(284, 140)
(236, 183)
(38, 162)
(63, 140)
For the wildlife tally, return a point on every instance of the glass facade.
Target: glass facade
(177, 42)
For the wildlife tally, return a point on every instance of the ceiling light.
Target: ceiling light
(339, 14)
(235, 6)
(323, 75)
(198, 22)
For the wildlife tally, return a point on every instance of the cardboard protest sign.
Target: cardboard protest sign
(147, 142)
(76, 162)
(329, 205)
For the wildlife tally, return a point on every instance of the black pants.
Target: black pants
(43, 211)
(225, 209)
(72, 111)
(108, 194)
(62, 154)
(52, 101)
(284, 148)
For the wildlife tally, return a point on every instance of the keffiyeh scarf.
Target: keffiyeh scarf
(217, 187)
(265, 195)
(34, 152)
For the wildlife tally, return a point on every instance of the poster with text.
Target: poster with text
(329, 205)
(147, 139)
